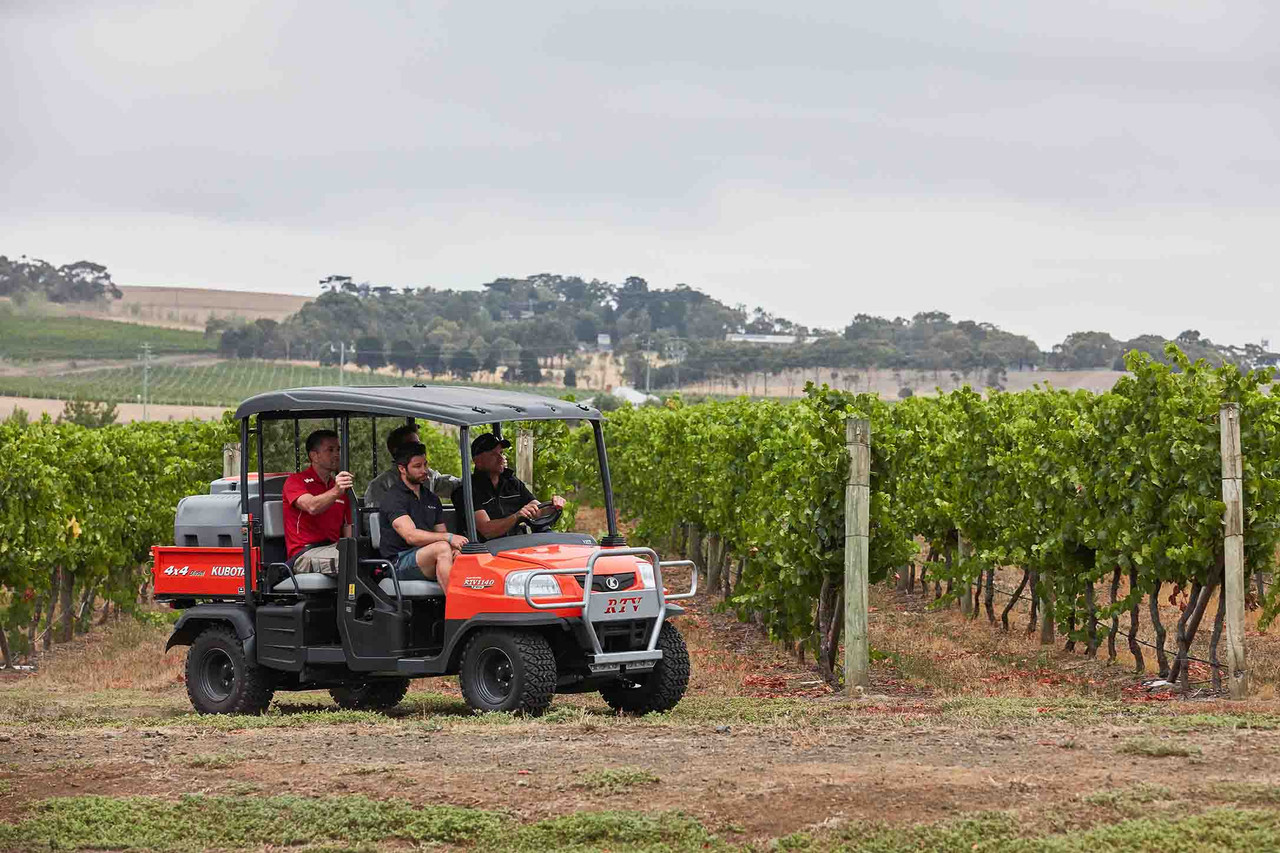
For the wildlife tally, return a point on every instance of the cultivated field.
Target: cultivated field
(32, 337)
(191, 307)
(212, 383)
(100, 749)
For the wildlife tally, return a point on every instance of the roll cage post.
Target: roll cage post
(613, 539)
(248, 537)
(473, 545)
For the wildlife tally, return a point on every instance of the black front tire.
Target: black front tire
(508, 671)
(220, 677)
(371, 695)
(663, 687)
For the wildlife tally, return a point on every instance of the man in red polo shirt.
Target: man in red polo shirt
(316, 503)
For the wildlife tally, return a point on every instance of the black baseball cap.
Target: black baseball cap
(486, 442)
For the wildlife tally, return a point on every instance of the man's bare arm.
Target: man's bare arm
(492, 529)
(410, 533)
(316, 504)
(456, 540)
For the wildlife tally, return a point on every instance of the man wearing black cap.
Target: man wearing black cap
(501, 500)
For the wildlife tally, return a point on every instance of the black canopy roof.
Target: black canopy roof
(450, 404)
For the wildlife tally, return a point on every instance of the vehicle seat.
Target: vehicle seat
(412, 589)
(272, 532)
(451, 519)
(307, 582)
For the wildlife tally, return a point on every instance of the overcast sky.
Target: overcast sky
(1048, 167)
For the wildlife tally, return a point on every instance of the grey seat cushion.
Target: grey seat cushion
(412, 589)
(273, 519)
(307, 582)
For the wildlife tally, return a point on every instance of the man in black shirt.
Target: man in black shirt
(414, 537)
(501, 501)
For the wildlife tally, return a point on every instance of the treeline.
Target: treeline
(1106, 502)
(510, 323)
(515, 327)
(82, 281)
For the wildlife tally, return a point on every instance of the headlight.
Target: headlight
(543, 586)
(646, 574)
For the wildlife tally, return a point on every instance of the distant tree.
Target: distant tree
(369, 352)
(431, 358)
(87, 413)
(1084, 350)
(570, 377)
(905, 392)
(607, 402)
(404, 355)
(530, 370)
(18, 417)
(464, 363)
(83, 281)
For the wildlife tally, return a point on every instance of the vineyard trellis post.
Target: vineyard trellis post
(857, 547)
(1233, 548)
(231, 460)
(524, 457)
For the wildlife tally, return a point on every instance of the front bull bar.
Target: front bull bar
(601, 660)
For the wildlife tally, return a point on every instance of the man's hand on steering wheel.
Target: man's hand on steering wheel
(548, 513)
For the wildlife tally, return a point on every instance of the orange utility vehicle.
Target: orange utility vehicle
(525, 616)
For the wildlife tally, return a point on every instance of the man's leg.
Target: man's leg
(435, 561)
(323, 559)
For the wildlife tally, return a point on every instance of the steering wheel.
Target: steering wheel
(543, 523)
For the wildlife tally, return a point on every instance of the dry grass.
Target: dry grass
(124, 654)
(943, 648)
(945, 651)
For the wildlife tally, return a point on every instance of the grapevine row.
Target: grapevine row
(79, 511)
(1072, 487)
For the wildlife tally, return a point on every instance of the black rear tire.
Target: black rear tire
(508, 671)
(220, 677)
(663, 687)
(371, 695)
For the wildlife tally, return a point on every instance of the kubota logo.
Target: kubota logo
(227, 571)
(630, 604)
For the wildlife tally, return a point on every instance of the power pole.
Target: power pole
(342, 359)
(648, 343)
(145, 358)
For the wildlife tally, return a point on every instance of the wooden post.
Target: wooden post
(857, 543)
(524, 457)
(966, 600)
(231, 460)
(1233, 549)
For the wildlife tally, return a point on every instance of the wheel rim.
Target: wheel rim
(496, 676)
(217, 675)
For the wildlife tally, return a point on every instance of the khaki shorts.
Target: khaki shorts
(323, 559)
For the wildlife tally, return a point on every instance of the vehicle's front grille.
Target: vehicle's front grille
(623, 635)
(599, 583)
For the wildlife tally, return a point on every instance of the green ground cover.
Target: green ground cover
(31, 337)
(357, 822)
(224, 383)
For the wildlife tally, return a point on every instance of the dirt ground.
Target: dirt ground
(761, 746)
